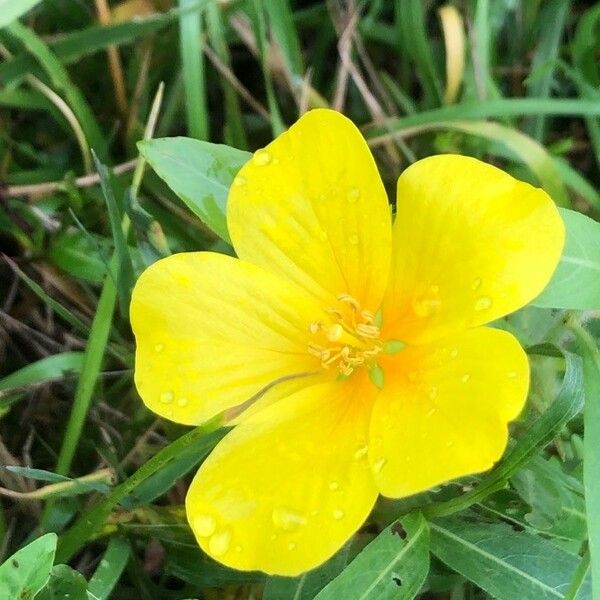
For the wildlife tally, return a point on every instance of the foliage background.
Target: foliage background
(514, 82)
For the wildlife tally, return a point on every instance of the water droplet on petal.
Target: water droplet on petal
(159, 347)
(262, 158)
(166, 397)
(239, 181)
(168, 413)
(353, 239)
(433, 392)
(287, 519)
(314, 512)
(476, 283)
(323, 236)
(182, 402)
(204, 525)
(483, 303)
(361, 452)
(512, 374)
(291, 546)
(465, 377)
(219, 543)
(431, 411)
(334, 485)
(353, 195)
(426, 306)
(379, 464)
(338, 514)
(238, 548)
(449, 443)
(453, 353)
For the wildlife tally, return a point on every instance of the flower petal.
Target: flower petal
(286, 488)
(444, 410)
(212, 331)
(311, 207)
(471, 244)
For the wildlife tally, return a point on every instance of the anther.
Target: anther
(368, 331)
(349, 300)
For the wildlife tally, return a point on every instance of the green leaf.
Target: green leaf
(393, 566)
(110, 568)
(576, 282)
(507, 564)
(46, 369)
(65, 584)
(200, 173)
(13, 9)
(27, 571)
(591, 449)
(125, 277)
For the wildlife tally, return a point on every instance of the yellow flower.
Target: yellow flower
(350, 350)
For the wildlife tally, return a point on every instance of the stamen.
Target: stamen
(355, 336)
(368, 331)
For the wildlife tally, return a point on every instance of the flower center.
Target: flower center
(349, 339)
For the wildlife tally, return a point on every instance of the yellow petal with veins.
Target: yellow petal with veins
(471, 244)
(287, 487)
(444, 410)
(212, 332)
(311, 207)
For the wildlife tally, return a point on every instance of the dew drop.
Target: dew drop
(361, 452)
(166, 397)
(159, 347)
(238, 548)
(334, 485)
(449, 443)
(219, 543)
(379, 464)
(353, 239)
(476, 283)
(182, 402)
(433, 392)
(426, 306)
(169, 413)
(314, 512)
(512, 374)
(338, 514)
(353, 195)
(287, 519)
(453, 353)
(262, 158)
(204, 525)
(431, 411)
(239, 181)
(291, 546)
(483, 303)
(465, 377)
(323, 236)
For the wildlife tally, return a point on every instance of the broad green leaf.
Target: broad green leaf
(13, 9)
(307, 585)
(576, 282)
(393, 566)
(65, 583)
(200, 173)
(27, 571)
(508, 564)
